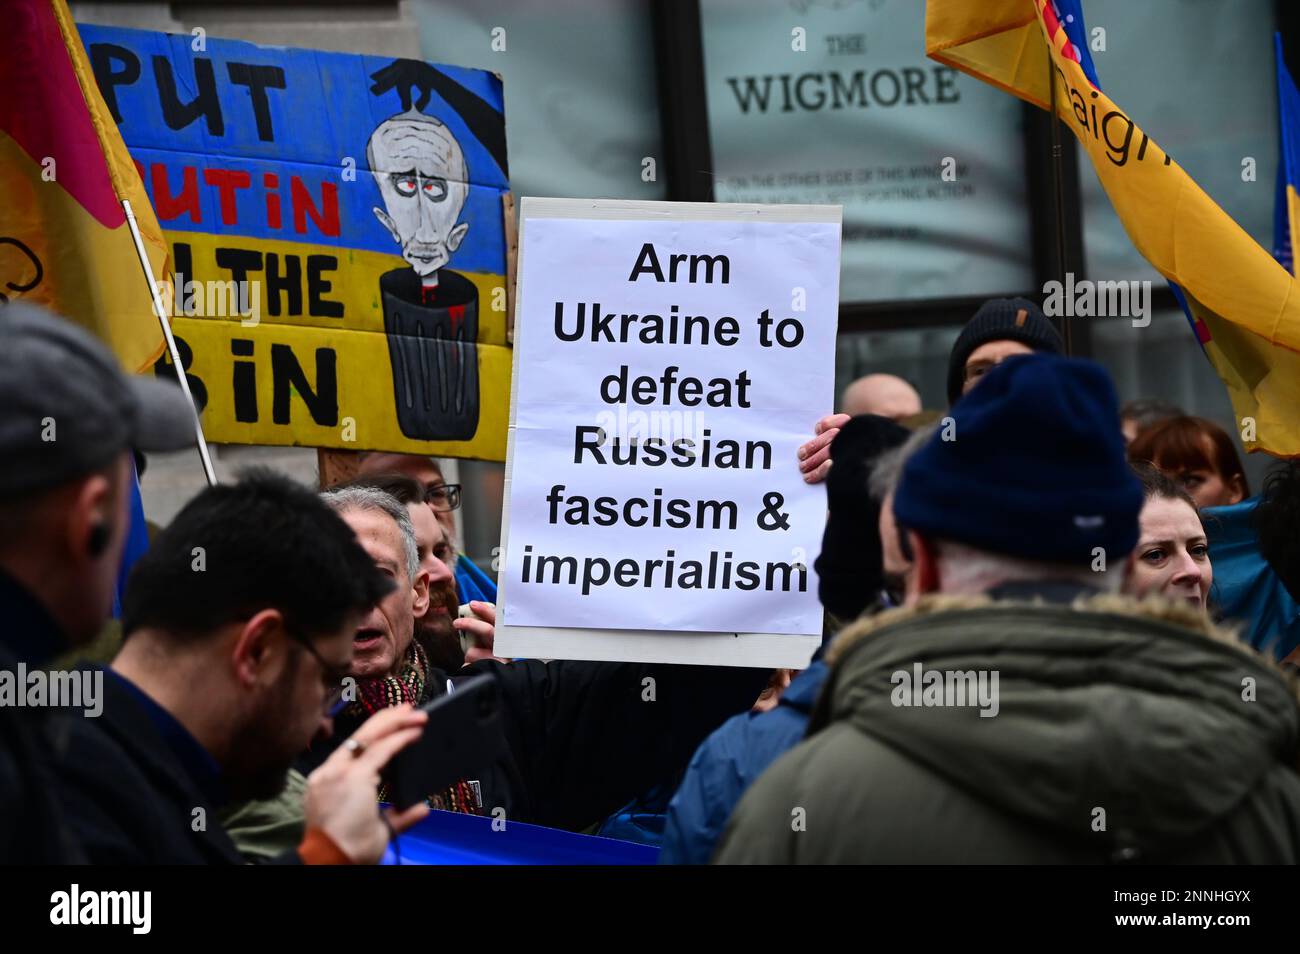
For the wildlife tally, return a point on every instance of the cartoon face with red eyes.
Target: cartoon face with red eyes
(421, 173)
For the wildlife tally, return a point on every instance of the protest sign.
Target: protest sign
(337, 235)
(669, 360)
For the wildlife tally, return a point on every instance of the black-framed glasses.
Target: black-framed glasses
(977, 370)
(335, 678)
(443, 496)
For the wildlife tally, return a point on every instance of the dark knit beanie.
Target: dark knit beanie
(850, 568)
(1033, 467)
(1001, 319)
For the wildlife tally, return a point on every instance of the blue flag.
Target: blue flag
(448, 838)
(137, 541)
(1288, 169)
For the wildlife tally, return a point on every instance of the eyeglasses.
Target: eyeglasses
(334, 702)
(980, 368)
(443, 496)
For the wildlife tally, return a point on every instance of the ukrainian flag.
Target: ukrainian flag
(1244, 306)
(1286, 212)
(64, 171)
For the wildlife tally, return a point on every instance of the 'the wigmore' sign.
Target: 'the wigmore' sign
(670, 358)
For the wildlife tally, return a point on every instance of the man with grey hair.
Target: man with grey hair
(896, 554)
(582, 738)
(342, 499)
(384, 639)
(1016, 709)
(444, 500)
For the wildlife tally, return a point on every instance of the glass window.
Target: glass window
(579, 79)
(1164, 361)
(837, 104)
(581, 116)
(918, 356)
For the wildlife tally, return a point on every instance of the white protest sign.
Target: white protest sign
(669, 360)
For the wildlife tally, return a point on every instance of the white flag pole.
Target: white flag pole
(161, 312)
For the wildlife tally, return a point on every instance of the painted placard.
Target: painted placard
(337, 237)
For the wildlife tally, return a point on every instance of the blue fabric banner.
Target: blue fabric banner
(137, 541)
(1246, 590)
(1288, 170)
(448, 838)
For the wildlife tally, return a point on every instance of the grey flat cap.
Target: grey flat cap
(66, 407)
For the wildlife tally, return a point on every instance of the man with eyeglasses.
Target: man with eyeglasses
(444, 499)
(238, 627)
(581, 737)
(1002, 327)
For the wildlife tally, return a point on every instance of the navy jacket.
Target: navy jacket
(133, 795)
(33, 826)
(728, 762)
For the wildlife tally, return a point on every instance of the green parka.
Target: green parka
(1123, 732)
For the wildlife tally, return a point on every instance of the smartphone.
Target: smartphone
(462, 740)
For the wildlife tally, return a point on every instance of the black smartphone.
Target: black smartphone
(461, 740)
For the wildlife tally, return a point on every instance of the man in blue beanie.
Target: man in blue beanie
(1017, 709)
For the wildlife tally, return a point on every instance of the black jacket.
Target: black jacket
(33, 828)
(583, 738)
(129, 798)
(32, 825)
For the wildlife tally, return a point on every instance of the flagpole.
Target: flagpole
(161, 312)
(1058, 182)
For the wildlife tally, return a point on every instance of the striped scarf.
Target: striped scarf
(411, 684)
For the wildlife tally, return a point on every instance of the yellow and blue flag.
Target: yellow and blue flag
(1244, 306)
(64, 171)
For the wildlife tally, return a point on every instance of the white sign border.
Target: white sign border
(757, 650)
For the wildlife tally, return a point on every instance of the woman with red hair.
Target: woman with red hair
(1196, 454)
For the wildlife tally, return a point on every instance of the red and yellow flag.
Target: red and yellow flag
(1245, 306)
(64, 239)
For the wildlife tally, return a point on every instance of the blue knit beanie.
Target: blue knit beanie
(1033, 467)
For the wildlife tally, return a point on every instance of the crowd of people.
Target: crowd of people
(1057, 630)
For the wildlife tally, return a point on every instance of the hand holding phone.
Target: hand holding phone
(462, 740)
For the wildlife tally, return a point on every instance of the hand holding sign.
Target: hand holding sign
(815, 456)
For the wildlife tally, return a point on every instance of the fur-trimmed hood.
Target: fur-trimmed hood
(1151, 608)
(1144, 710)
